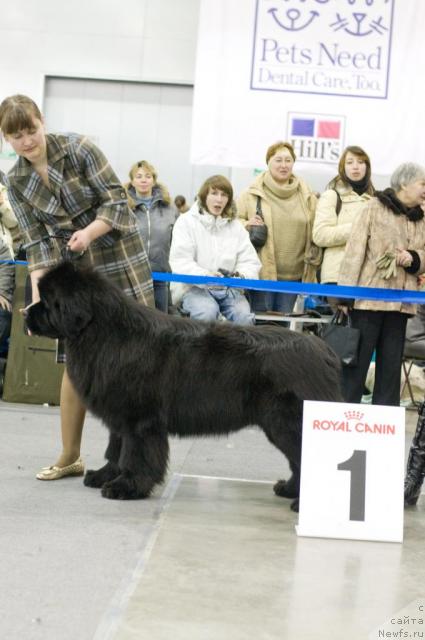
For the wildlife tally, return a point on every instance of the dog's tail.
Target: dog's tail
(310, 369)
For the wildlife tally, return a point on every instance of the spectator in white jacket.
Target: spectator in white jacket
(338, 207)
(8, 223)
(210, 241)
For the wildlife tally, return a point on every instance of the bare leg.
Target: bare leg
(72, 421)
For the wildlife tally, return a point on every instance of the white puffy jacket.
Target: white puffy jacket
(7, 221)
(202, 244)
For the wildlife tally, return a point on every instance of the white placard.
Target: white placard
(352, 471)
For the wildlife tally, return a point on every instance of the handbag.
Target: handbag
(258, 234)
(342, 338)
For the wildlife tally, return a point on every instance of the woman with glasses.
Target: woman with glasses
(66, 197)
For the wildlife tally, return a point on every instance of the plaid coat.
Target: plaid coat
(83, 187)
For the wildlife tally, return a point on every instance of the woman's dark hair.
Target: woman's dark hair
(362, 155)
(179, 201)
(217, 182)
(17, 113)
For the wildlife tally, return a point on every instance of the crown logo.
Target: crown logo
(353, 415)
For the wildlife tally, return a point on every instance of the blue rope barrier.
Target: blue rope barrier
(301, 288)
(333, 290)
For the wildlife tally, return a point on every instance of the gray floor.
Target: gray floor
(213, 555)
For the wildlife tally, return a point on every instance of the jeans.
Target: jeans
(160, 292)
(262, 301)
(208, 304)
(5, 323)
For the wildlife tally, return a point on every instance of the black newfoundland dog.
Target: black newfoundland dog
(148, 375)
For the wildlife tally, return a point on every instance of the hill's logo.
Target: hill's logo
(316, 137)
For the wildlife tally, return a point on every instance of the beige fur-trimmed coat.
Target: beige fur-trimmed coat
(377, 230)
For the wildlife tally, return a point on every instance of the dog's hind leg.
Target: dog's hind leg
(284, 431)
(111, 469)
(143, 464)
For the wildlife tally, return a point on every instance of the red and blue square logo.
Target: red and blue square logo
(316, 137)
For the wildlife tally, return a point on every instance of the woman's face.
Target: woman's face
(355, 168)
(413, 194)
(216, 201)
(29, 143)
(143, 181)
(280, 165)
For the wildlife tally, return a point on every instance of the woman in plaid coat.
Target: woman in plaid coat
(66, 197)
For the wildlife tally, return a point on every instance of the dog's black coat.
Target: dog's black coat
(147, 375)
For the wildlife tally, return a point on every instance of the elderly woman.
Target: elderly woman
(209, 241)
(156, 216)
(338, 207)
(288, 206)
(385, 250)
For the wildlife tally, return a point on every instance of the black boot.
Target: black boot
(416, 462)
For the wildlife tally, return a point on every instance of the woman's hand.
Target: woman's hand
(403, 258)
(24, 312)
(79, 241)
(5, 304)
(255, 221)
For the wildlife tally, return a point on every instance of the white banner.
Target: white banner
(322, 74)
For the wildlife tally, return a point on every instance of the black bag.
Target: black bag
(258, 234)
(342, 338)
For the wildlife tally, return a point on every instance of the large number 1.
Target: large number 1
(357, 465)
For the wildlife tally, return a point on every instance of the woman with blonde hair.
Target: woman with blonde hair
(156, 216)
(286, 205)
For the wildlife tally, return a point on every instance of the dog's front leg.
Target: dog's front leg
(143, 464)
(111, 469)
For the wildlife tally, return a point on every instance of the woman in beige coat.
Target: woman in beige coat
(288, 206)
(386, 249)
(338, 207)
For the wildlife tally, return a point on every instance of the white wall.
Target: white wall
(131, 121)
(151, 41)
(145, 40)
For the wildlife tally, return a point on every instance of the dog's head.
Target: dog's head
(66, 302)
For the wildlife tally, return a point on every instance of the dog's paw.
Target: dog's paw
(125, 487)
(287, 488)
(295, 505)
(98, 478)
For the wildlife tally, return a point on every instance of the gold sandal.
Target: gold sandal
(55, 473)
